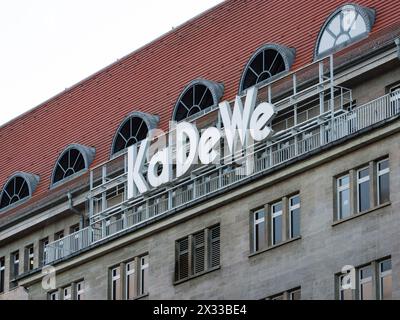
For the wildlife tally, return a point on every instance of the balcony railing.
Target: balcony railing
(328, 128)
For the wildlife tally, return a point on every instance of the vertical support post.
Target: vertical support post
(332, 83)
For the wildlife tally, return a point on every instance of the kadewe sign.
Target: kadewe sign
(156, 162)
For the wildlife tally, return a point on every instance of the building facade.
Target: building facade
(310, 211)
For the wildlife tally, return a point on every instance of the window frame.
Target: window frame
(360, 181)
(291, 209)
(114, 280)
(275, 215)
(380, 173)
(382, 275)
(143, 268)
(256, 222)
(363, 281)
(339, 189)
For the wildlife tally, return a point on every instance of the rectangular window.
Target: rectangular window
(294, 216)
(363, 189)
(42, 251)
(116, 283)
(383, 187)
(144, 272)
(67, 293)
(365, 283)
(30, 258)
(80, 290)
(276, 216)
(15, 264)
(53, 295)
(2, 273)
(195, 249)
(258, 230)
(343, 197)
(130, 283)
(385, 280)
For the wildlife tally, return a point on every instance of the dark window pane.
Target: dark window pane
(295, 223)
(384, 191)
(363, 196)
(277, 229)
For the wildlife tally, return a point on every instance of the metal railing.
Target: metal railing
(133, 213)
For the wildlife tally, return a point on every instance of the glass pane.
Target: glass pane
(349, 15)
(344, 204)
(344, 181)
(259, 236)
(358, 28)
(386, 265)
(346, 294)
(327, 42)
(295, 223)
(366, 291)
(383, 165)
(130, 287)
(294, 200)
(365, 273)
(334, 26)
(277, 207)
(363, 196)
(363, 173)
(386, 287)
(277, 229)
(384, 188)
(116, 290)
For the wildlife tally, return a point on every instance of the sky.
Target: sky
(47, 46)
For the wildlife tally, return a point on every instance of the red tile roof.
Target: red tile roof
(215, 45)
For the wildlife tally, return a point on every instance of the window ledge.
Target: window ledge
(383, 205)
(274, 246)
(197, 275)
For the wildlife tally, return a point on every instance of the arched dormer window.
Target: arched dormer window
(198, 95)
(74, 159)
(344, 26)
(133, 129)
(18, 188)
(268, 62)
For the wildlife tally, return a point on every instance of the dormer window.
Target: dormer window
(18, 188)
(266, 64)
(73, 160)
(133, 129)
(199, 95)
(343, 27)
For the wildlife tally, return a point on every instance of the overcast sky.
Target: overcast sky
(49, 45)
